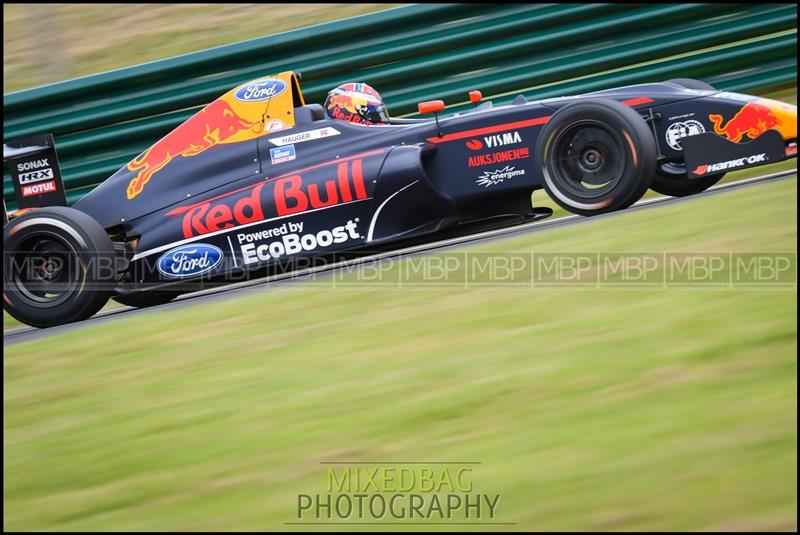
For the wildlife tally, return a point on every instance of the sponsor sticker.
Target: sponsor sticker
(495, 140)
(684, 116)
(301, 137)
(493, 158)
(289, 239)
(730, 164)
(282, 154)
(490, 178)
(680, 130)
(189, 260)
(35, 176)
(38, 189)
(260, 90)
(35, 164)
(287, 195)
(750, 121)
(274, 125)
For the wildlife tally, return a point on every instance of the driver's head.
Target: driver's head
(358, 103)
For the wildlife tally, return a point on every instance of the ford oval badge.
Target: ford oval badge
(189, 260)
(261, 90)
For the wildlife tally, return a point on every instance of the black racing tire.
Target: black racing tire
(671, 179)
(146, 299)
(596, 156)
(59, 266)
(691, 83)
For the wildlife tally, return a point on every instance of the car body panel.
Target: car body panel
(261, 191)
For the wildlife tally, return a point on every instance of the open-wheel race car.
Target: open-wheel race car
(259, 176)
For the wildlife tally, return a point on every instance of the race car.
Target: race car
(259, 177)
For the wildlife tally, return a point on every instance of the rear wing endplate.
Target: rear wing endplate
(35, 173)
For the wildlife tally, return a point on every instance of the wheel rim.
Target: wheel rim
(587, 159)
(45, 269)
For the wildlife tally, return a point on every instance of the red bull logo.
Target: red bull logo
(212, 125)
(342, 101)
(751, 121)
(287, 195)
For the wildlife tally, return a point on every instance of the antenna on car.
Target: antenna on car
(434, 107)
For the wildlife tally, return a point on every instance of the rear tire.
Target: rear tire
(146, 299)
(596, 156)
(59, 266)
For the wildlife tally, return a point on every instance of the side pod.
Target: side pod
(406, 203)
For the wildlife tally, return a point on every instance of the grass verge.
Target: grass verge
(587, 409)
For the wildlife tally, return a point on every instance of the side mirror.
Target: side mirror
(434, 107)
(431, 106)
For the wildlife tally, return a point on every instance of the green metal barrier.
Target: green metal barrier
(416, 53)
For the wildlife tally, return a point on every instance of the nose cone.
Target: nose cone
(786, 116)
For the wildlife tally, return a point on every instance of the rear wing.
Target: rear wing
(35, 173)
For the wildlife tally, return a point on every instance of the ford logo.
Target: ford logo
(261, 90)
(189, 260)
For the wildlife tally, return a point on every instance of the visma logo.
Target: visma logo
(189, 260)
(262, 90)
(494, 141)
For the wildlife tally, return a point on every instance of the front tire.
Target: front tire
(596, 156)
(672, 179)
(59, 266)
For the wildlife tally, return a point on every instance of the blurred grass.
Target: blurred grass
(588, 409)
(79, 39)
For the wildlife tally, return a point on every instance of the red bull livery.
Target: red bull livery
(259, 182)
(214, 124)
(752, 120)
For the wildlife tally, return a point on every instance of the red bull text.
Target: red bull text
(286, 195)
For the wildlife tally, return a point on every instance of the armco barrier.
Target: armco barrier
(414, 53)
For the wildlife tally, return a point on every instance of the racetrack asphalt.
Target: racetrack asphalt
(25, 334)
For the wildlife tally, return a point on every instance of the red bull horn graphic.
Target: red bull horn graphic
(343, 101)
(751, 121)
(212, 125)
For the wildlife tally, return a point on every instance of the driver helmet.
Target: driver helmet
(358, 103)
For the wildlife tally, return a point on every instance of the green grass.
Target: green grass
(588, 409)
(85, 39)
